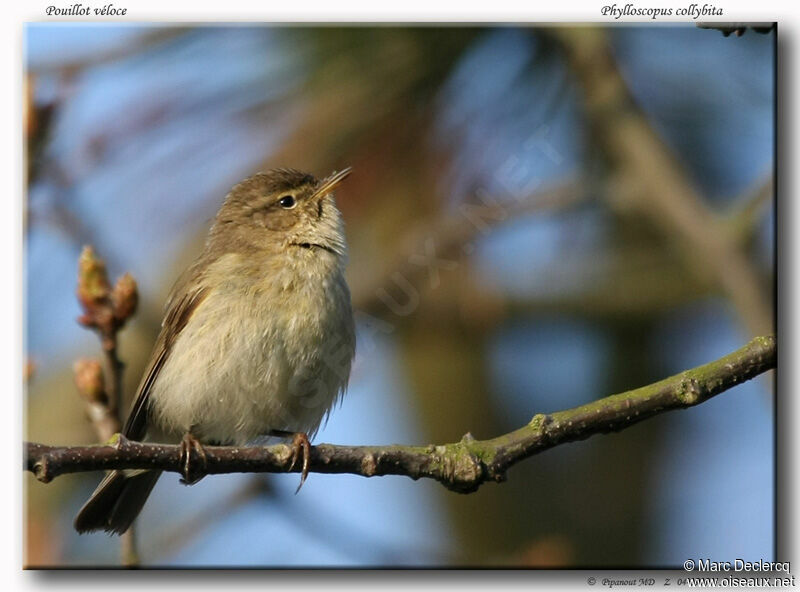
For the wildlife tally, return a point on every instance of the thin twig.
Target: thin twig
(129, 556)
(146, 40)
(114, 369)
(743, 218)
(451, 236)
(105, 311)
(460, 466)
(328, 529)
(738, 28)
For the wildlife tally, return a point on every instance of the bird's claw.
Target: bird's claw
(191, 473)
(300, 441)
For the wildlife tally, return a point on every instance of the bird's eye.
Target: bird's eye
(287, 202)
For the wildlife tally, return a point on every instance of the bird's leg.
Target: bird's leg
(192, 474)
(299, 442)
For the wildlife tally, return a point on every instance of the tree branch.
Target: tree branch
(653, 182)
(738, 28)
(461, 466)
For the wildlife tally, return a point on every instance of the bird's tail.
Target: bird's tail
(116, 502)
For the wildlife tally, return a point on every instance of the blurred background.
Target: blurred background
(537, 217)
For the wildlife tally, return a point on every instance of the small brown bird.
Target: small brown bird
(257, 339)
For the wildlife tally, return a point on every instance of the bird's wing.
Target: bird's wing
(179, 311)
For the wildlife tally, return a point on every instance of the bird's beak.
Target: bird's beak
(330, 183)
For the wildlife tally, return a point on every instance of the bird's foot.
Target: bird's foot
(191, 452)
(300, 441)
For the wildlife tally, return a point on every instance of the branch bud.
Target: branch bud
(93, 288)
(90, 380)
(29, 369)
(124, 298)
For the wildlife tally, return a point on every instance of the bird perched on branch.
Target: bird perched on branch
(257, 339)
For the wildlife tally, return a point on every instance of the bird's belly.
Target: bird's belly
(234, 375)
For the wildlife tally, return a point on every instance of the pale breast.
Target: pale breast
(264, 351)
